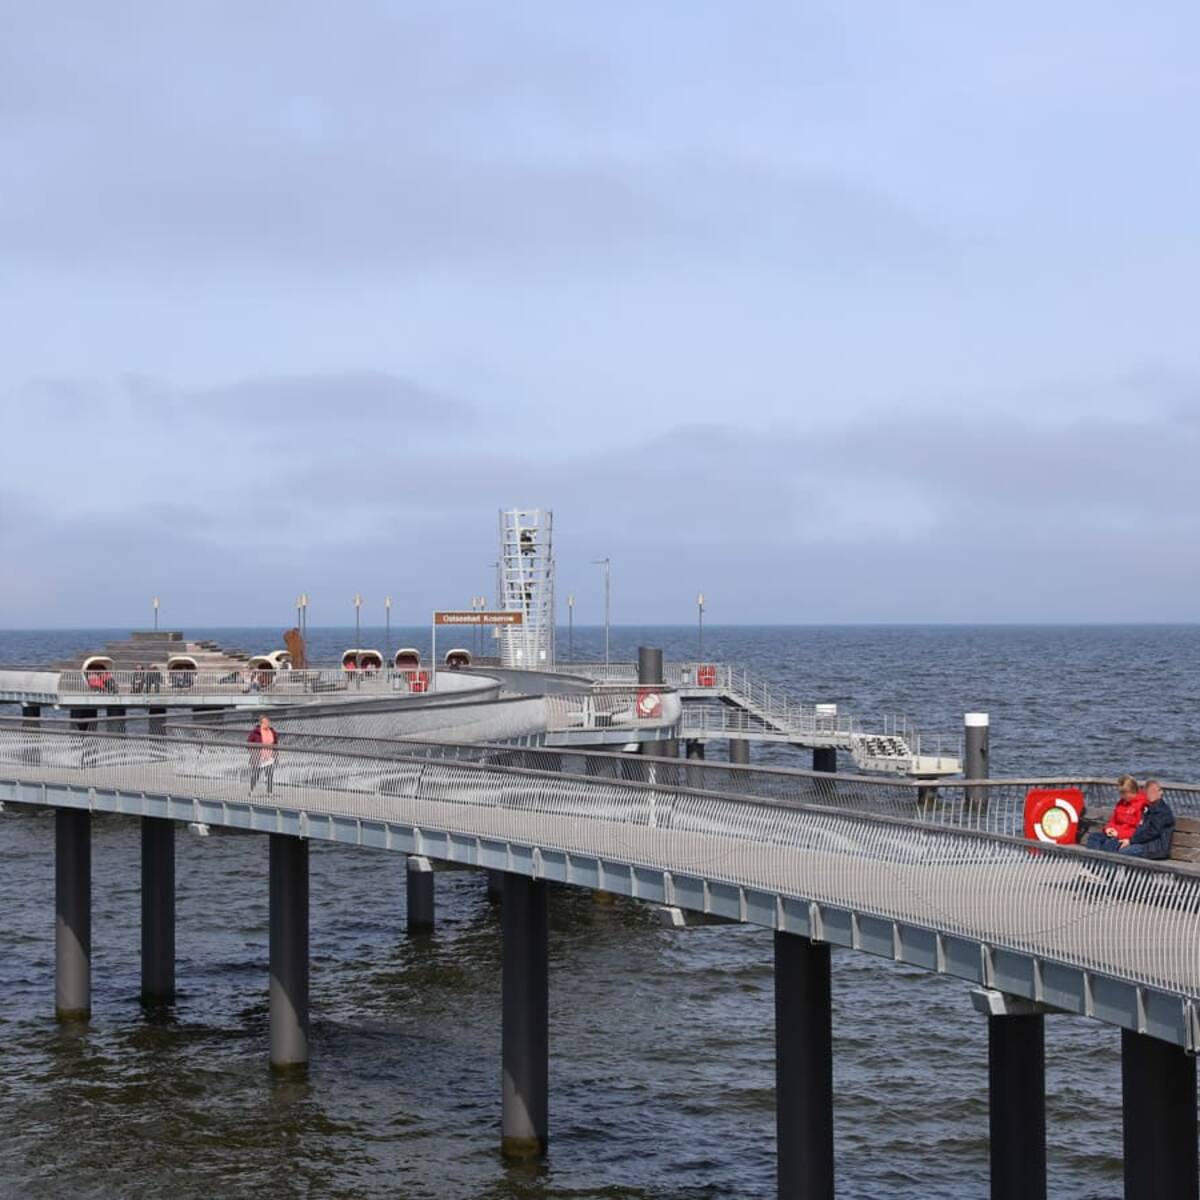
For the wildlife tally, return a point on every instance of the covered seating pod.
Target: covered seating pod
(97, 673)
(406, 659)
(281, 660)
(457, 658)
(181, 670)
(261, 662)
(97, 662)
(362, 660)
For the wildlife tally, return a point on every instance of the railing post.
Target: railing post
(1016, 1094)
(158, 910)
(803, 1068)
(420, 895)
(1158, 1098)
(526, 1046)
(289, 951)
(73, 914)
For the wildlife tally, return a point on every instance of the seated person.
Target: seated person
(1152, 838)
(1124, 820)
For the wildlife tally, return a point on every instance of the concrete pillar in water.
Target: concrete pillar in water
(420, 895)
(824, 758)
(495, 885)
(73, 914)
(1016, 1095)
(739, 751)
(694, 748)
(158, 720)
(976, 753)
(803, 1068)
(526, 1048)
(158, 910)
(83, 719)
(289, 951)
(1158, 1098)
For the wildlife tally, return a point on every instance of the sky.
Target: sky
(836, 312)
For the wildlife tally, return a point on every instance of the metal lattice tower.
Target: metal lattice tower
(525, 584)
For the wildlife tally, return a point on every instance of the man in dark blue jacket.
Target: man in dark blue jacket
(1152, 837)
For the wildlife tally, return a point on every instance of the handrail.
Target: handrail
(988, 886)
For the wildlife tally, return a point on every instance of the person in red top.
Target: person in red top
(262, 740)
(1126, 817)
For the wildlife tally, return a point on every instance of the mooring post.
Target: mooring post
(739, 751)
(158, 910)
(420, 895)
(1016, 1094)
(31, 722)
(976, 752)
(289, 951)
(1158, 1098)
(803, 1068)
(526, 1049)
(73, 914)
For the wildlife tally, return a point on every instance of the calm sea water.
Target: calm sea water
(661, 1042)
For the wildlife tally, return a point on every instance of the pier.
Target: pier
(878, 865)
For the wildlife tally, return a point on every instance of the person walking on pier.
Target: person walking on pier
(262, 740)
(1125, 818)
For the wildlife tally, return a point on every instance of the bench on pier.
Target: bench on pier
(1185, 841)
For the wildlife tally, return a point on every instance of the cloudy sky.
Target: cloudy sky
(837, 311)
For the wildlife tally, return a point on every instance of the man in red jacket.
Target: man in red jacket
(1126, 817)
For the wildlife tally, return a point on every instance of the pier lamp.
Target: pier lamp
(357, 627)
(606, 563)
(570, 628)
(155, 602)
(304, 615)
(387, 618)
(299, 611)
(700, 625)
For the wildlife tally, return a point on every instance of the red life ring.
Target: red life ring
(649, 703)
(418, 681)
(1052, 815)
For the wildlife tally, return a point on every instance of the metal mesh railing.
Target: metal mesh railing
(105, 687)
(1139, 922)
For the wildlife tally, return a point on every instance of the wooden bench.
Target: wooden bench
(1185, 841)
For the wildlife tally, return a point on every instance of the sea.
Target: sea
(661, 1042)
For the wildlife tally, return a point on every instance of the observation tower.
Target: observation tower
(525, 584)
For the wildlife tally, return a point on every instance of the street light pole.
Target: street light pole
(387, 616)
(606, 563)
(357, 628)
(570, 628)
(700, 625)
(156, 614)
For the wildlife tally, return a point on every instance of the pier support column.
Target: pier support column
(289, 951)
(1016, 1094)
(73, 914)
(420, 895)
(1158, 1096)
(158, 910)
(739, 751)
(116, 719)
(525, 1121)
(495, 885)
(803, 1068)
(158, 721)
(825, 759)
(83, 719)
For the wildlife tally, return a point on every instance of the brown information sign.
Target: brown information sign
(458, 617)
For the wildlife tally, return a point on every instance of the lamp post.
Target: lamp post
(606, 563)
(387, 619)
(155, 602)
(304, 615)
(357, 628)
(299, 613)
(570, 628)
(700, 625)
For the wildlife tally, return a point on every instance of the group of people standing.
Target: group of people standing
(1141, 824)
